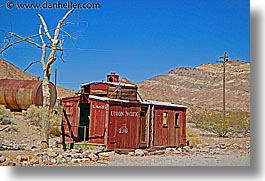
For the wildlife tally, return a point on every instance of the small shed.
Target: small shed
(109, 114)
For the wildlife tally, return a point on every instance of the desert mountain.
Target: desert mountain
(202, 86)
(10, 71)
(199, 87)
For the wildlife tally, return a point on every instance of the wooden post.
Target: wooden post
(106, 125)
(225, 57)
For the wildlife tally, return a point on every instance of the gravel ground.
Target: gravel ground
(175, 160)
(22, 133)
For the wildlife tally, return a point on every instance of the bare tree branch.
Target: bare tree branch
(45, 28)
(25, 39)
(43, 57)
(41, 38)
(37, 61)
(67, 34)
(55, 43)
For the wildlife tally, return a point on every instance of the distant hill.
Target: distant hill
(199, 87)
(10, 71)
(202, 86)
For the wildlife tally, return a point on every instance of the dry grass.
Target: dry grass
(5, 113)
(34, 115)
(193, 137)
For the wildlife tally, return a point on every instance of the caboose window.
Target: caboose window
(177, 120)
(165, 119)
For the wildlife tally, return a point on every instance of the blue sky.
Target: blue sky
(136, 39)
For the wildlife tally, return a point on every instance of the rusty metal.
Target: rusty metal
(20, 94)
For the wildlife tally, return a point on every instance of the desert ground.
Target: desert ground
(20, 146)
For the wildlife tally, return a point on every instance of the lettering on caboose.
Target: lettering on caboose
(123, 114)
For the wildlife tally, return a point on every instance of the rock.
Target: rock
(54, 161)
(11, 163)
(98, 149)
(30, 157)
(47, 162)
(33, 147)
(85, 159)
(159, 152)
(2, 159)
(5, 121)
(19, 158)
(77, 155)
(170, 150)
(139, 152)
(186, 148)
(52, 153)
(24, 158)
(86, 153)
(1, 147)
(25, 163)
(199, 146)
(68, 159)
(105, 158)
(177, 151)
(104, 154)
(222, 145)
(248, 146)
(131, 154)
(205, 150)
(61, 160)
(65, 154)
(191, 125)
(92, 157)
(76, 160)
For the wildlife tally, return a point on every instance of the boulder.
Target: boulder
(2, 159)
(139, 152)
(5, 121)
(131, 154)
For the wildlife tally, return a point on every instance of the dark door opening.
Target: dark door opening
(143, 130)
(83, 129)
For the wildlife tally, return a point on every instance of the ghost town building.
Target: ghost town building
(111, 114)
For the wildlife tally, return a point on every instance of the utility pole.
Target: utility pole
(225, 59)
(55, 77)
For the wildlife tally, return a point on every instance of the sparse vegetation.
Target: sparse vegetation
(236, 122)
(33, 114)
(193, 138)
(5, 115)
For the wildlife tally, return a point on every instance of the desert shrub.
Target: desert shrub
(193, 138)
(34, 115)
(5, 115)
(213, 122)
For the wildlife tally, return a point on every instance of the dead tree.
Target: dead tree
(46, 62)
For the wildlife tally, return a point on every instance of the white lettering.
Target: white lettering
(95, 106)
(123, 129)
(123, 114)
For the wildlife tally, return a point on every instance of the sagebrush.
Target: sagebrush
(235, 122)
(34, 115)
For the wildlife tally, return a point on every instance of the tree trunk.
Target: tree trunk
(45, 111)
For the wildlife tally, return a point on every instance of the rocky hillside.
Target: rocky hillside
(10, 71)
(199, 87)
(202, 86)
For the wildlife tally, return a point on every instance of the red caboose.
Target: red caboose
(109, 114)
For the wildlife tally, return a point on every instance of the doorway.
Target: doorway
(83, 129)
(143, 129)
